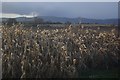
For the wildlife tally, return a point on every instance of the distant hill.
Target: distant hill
(83, 20)
(72, 20)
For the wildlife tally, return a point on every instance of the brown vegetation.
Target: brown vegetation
(44, 53)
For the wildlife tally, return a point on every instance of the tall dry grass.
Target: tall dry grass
(63, 53)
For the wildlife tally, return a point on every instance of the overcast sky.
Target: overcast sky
(95, 10)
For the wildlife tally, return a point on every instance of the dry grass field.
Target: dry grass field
(71, 52)
(0, 54)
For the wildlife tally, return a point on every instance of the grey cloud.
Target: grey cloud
(99, 10)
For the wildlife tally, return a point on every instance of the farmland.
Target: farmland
(67, 52)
